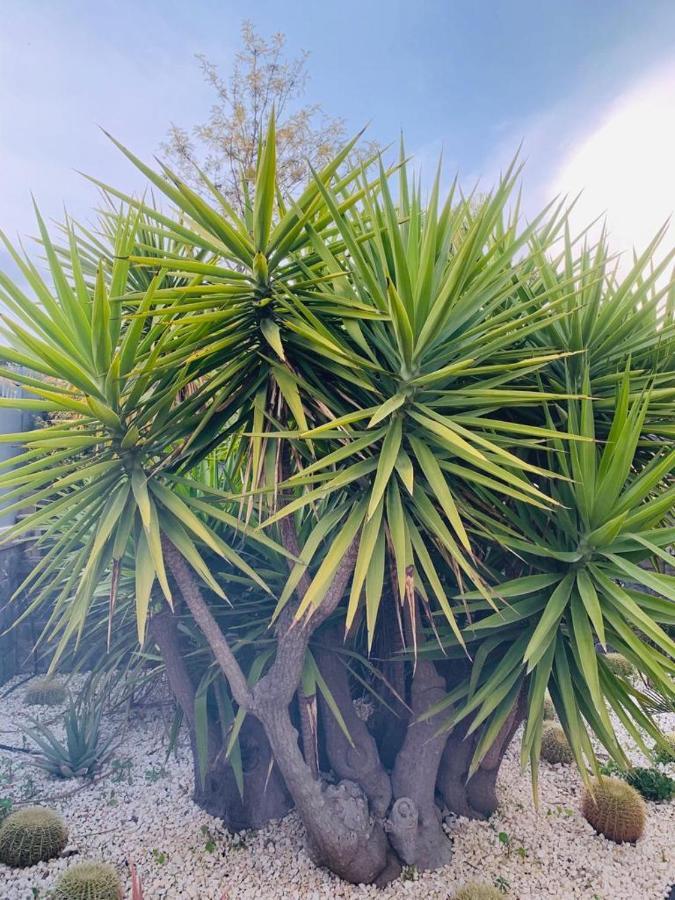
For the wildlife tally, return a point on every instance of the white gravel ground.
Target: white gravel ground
(143, 812)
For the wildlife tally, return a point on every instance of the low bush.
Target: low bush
(651, 783)
(83, 751)
(665, 755)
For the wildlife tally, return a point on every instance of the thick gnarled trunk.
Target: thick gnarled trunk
(265, 796)
(414, 825)
(370, 820)
(475, 797)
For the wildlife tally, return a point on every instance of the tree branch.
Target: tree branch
(194, 600)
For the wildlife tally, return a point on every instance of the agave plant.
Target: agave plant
(84, 751)
(388, 432)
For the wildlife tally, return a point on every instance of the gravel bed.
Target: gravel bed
(141, 811)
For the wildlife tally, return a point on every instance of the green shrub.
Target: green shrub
(30, 835)
(89, 881)
(651, 783)
(476, 890)
(555, 747)
(614, 809)
(619, 665)
(665, 755)
(45, 692)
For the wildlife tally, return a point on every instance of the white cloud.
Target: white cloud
(625, 165)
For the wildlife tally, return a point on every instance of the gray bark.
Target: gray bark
(265, 795)
(356, 759)
(414, 825)
(475, 797)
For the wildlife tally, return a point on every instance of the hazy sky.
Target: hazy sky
(587, 85)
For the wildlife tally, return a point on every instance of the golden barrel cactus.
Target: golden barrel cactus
(614, 809)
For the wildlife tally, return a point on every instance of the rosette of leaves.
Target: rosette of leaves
(588, 580)
(84, 750)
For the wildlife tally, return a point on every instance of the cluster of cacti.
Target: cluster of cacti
(45, 692)
(555, 747)
(89, 881)
(619, 665)
(477, 890)
(549, 709)
(30, 835)
(614, 809)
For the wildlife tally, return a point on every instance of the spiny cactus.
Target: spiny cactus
(45, 692)
(615, 809)
(619, 665)
(555, 747)
(30, 835)
(549, 709)
(476, 890)
(89, 881)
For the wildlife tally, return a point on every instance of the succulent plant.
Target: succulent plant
(30, 835)
(45, 692)
(84, 750)
(619, 665)
(555, 747)
(549, 710)
(89, 881)
(477, 890)
(614, 809)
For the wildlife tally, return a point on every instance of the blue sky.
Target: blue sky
(587, 85)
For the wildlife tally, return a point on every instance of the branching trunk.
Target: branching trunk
(265, 796)
(353, 828)
(192, 595)
(355, 757)
(414, 824)
(475, 798)
(341, 833)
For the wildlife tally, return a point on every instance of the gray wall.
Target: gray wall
(11, 421)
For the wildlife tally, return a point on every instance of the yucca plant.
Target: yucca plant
(386, 429)
(583, 580)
